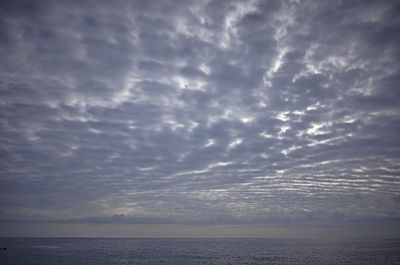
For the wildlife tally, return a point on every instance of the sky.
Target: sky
(199, 118)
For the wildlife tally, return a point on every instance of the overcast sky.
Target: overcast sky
(264, 114)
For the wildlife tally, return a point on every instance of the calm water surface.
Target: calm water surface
(197, 251)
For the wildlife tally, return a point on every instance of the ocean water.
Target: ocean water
(58, 251)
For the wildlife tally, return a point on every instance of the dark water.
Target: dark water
(197, 251)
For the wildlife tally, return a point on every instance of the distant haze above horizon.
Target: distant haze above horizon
(195, 118)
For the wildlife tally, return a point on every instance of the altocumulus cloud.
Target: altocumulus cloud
(200, 112)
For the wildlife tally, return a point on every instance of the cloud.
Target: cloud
(203, 112)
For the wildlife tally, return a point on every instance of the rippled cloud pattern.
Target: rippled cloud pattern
(200, 112)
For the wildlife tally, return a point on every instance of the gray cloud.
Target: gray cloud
(205, 112)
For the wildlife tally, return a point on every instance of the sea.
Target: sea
(58, 251)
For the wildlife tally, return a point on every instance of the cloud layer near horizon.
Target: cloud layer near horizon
(200, 112)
